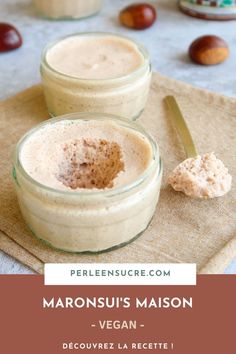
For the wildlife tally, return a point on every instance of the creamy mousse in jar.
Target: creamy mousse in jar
(67, 9)
(87, 182)
(96, 72)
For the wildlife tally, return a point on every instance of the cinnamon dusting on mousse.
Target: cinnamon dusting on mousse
(90, 164)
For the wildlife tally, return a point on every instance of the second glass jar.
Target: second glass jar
(125, 96)
(64, 9)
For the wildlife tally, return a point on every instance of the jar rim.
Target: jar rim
(156, 159)
(118, 79)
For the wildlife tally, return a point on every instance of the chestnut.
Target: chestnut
(10, 37)
(209, 50)
(138, 16)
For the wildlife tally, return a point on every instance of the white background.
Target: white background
(61, 274)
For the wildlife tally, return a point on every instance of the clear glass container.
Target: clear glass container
(89, 220)
(209, 9)
(125, 96)
(67, 9)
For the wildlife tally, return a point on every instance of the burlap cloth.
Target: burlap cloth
(183, 230)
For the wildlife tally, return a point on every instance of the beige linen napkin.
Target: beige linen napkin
(182, 230)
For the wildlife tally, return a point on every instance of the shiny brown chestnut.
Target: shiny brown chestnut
(209, 50)
(10, 37)
(138, 16)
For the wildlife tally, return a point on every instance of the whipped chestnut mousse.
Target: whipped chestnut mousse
(201, 177)
(87, 183)
(90, 57)
(96, 72)
(72, 155)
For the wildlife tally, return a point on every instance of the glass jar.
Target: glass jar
(66, 10)
(125, 96)
(209, 9)
(89, 220)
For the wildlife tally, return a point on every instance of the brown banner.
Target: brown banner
(26, 327)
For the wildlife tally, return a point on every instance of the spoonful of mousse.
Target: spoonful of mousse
(199, 176)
